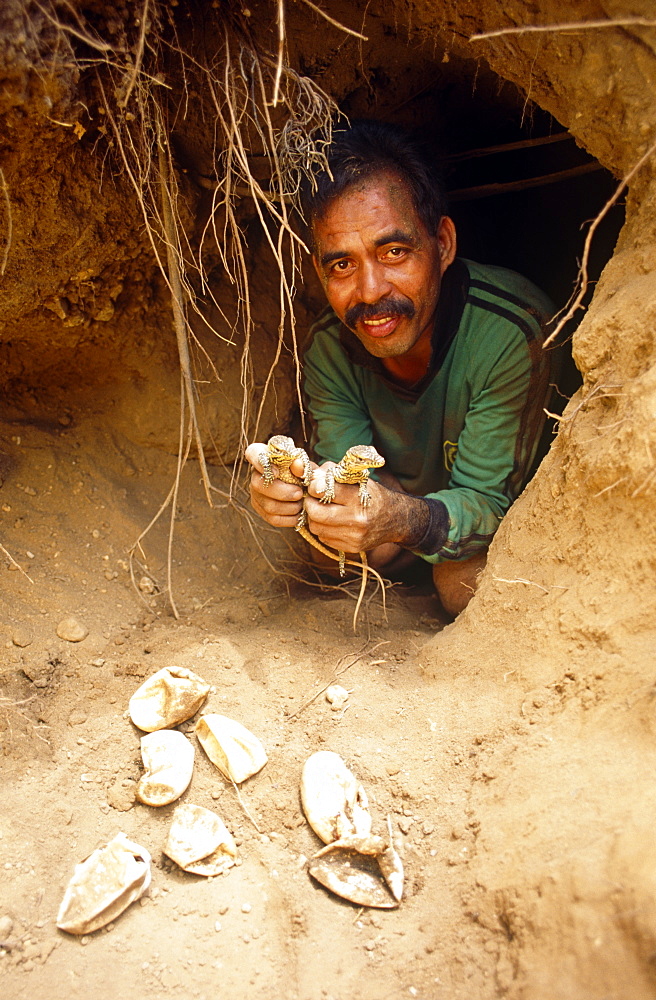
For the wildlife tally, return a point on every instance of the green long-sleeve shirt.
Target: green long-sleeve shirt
(465, 436)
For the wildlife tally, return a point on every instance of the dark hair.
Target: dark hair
(367, 148)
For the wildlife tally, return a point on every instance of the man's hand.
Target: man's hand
(346, 525)
(281, 503)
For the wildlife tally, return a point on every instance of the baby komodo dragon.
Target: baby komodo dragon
(352, 470)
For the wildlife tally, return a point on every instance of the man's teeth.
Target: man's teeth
(377, 322)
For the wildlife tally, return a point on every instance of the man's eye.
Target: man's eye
(395, 252)
(341, 265)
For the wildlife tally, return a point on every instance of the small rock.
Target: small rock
(22, 637)
(77, 717)
(246, 907)
(72, 630)
(6, 927)
(146, 585)
(405, 823)
(337, 696)
(97, 662)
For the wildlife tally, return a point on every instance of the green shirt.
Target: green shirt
(466, 434)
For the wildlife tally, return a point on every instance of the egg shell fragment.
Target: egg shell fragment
(231, 747)
(199, 841)
(169, 697)
(334, 802)
(168, 757)
(104, 885)
(354, 877)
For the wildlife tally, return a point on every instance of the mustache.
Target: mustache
(384, 307)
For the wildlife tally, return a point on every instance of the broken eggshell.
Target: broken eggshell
(199, 841)
(231, 747)
(334, 802)
(353, 876)
(168, 757)
(389, 861)
(104, 885)
(167, 698)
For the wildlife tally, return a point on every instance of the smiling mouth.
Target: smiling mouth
(378, 322)
(380, 326)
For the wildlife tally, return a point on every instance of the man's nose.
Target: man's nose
(373, 283)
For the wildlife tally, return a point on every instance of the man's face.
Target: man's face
(380, 268)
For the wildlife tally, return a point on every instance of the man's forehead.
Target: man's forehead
(380, 203)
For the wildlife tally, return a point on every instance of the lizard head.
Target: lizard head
(362, 456)
(280, 446)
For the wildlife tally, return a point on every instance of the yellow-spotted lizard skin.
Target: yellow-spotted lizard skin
(279, 455)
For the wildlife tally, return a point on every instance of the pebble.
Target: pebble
(337, 696)
(77, 718)
(72, 630)
(246, 907)
(6, 927)
(146, 585)
(22, 637)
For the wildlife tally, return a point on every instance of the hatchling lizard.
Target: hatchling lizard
(352, 470)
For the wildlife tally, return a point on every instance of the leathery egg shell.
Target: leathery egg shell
(231, 747)
(334, 802)
(199, 841)
(168, 757)
(104, 885)
(167, 698)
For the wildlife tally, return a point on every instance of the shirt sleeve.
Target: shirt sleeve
(492, 443)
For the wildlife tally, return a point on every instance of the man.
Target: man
(435, 360)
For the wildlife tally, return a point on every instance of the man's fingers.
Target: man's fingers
(285, 492)
(281, 512)
(252, 455)
(297, 468)
(336, 525)
(344, 494)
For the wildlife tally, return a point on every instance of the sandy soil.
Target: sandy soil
(72, 757)
(508, 786)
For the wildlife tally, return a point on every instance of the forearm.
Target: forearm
(402, 518)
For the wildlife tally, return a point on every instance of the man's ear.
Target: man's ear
(446, 241)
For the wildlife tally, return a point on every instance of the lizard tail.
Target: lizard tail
(362, 565)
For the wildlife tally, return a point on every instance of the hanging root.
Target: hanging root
(256, 106)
